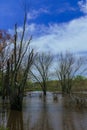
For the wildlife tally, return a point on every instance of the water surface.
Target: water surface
(41, 113)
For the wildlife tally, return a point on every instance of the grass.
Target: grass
(54, 85)
(51, 86)
(80, 85)
(3, 128)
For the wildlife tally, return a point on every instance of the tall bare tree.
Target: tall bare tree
(41, 70)
(16, 72)
(5, 43)
(67, 68)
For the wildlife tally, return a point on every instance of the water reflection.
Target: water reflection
(55, 111)
(3, 114)
(36, 115)
(73, 119)
(43, 121)
(39, 113)
(67, 115)
(15, 121)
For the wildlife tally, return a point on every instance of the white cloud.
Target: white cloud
(83, 5)
(59, 37)
(71, 36)
(33, 14)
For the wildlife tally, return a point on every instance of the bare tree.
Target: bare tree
(67, 68)
(16, 72)
(5, 44)
(41, 70)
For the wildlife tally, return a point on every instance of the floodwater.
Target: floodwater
(41, 113)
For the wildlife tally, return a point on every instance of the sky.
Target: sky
(55, 25)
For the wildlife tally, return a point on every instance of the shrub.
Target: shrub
(3, 128)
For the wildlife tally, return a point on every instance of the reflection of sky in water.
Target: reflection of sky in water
(44, 114)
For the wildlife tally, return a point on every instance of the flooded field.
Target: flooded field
(41, 113)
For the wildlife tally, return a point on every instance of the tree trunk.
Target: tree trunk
(44, 91)
(16, 103)
(63, 89)
(15, 120)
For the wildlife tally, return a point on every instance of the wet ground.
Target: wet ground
(41, 113)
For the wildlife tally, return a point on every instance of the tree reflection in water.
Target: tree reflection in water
(45, 114)
(15, 120)
(3, 115)
(43, 121)
(67, 118)
(72, 118)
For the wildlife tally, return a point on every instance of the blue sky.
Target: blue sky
(44, 11)
(56, 25)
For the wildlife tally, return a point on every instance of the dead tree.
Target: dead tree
(5, 43)
(68, 66)
(41, 71)
(17, 72)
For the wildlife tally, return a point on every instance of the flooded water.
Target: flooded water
(41, 113)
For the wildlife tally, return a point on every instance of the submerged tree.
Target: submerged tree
(15, 121)
(5, 43)
(67, 68)
(16, 71)
(41, 70)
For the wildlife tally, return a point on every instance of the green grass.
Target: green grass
(79, 85)
(3, 128)
(51, 86)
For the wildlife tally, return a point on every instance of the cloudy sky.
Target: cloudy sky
(56, 25)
